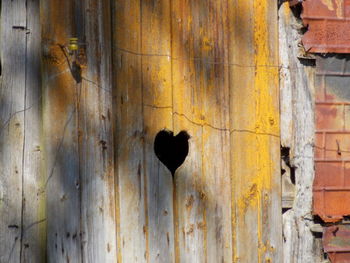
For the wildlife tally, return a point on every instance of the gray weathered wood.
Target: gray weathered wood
(214, 19)
(12, 124)
(297, 133)
(188, 102)
(61, 94)
(33, 245)
(96, 151)
(131, 217)
(157, 115)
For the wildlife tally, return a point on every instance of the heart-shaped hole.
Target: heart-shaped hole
(171, 150)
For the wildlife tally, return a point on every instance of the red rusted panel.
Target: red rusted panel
(330, 203)
(332, 140)
(336, 243)
(328, 24)
(339, 257)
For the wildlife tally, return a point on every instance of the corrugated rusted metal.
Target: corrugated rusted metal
(336, 243)
(332, 153)
(328, 26)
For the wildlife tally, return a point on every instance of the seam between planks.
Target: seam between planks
(145, 181)
(24, 139)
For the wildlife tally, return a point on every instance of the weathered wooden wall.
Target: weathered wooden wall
(78, 137)
(79, 180)
(209, 68)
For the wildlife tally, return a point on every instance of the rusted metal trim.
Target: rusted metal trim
(328, 26)
(336, 243)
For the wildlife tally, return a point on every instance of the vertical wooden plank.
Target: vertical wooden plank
(60, 138)
(34, 217)
(219, 177)
(255, 129)
(188, 115)
(243, 119)
(297, 108)
(157, 115)
(213, 40)
(200, 73)
(131, 219)
(95, 135)
(267, 81)
(12, 123)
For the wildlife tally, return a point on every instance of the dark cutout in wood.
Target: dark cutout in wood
(171, 150)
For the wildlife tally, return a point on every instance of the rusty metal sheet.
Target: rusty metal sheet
(339, 257)
(328, 23)
(336, 243)
(332, 139)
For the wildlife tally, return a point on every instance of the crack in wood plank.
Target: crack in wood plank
(205, 61)
(22, 233)
(57, 152)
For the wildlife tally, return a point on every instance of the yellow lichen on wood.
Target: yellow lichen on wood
(256, 129)
(218, 81)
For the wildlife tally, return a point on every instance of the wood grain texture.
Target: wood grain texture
(267, 79)
(12, 124)
(243, 158)
(207, 67)
(190, 181)
(34, 217)
(208, 39)
(96, 153)
(212, 69)
(157, 115)
(130, 134)
(297, 116)
(61, 95)
(255, 139)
